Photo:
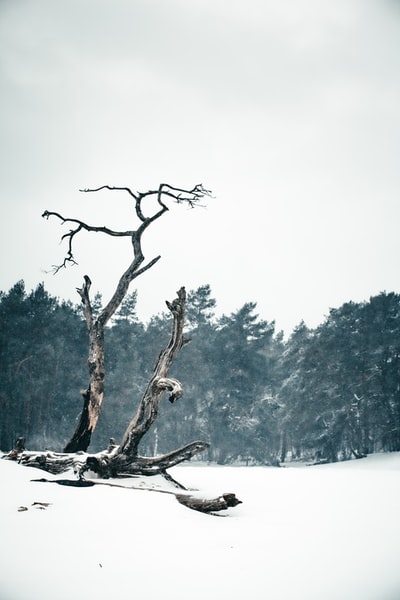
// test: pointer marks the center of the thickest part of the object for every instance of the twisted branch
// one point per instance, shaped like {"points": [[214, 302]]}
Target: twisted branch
{"points": [[191, 197]]}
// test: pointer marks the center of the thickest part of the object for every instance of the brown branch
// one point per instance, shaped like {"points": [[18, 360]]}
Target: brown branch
{"points": [[147, 411]]}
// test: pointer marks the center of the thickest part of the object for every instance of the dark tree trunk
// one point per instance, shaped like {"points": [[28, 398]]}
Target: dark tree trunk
{"points": [[93, 396], [82, 435]]}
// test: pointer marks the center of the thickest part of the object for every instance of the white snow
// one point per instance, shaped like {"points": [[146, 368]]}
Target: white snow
{"points": [[309, 533]]}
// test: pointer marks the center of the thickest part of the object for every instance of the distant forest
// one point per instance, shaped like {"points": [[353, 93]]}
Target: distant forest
{"points": [[325, 394]]}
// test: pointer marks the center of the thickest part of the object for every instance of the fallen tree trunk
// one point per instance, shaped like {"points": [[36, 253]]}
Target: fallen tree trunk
{"points": [[103, 463], [204, 505], [209, 506]]}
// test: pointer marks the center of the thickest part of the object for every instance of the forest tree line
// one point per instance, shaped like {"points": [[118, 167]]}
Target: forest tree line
{"points": [[324, 394]]}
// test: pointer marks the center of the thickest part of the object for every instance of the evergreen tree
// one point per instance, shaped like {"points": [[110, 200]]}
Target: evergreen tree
{"points": [[40, 340]]}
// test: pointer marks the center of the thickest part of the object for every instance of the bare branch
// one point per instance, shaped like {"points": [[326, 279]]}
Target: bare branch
{"points": [[84, 294], [137, 197], [130, 274], [179, 195], [83, 225], [112, 188], [192, 197], [69, 259]]}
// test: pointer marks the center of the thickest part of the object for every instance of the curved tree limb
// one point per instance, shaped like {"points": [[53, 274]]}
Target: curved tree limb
{"points": [[148, 408]]}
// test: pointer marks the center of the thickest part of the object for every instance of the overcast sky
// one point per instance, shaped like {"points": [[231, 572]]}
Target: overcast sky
{"points": [[287, 110]]}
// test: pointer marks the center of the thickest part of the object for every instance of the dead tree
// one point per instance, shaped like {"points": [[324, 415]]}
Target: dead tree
{"points": [[124, 459], [93, 394]]}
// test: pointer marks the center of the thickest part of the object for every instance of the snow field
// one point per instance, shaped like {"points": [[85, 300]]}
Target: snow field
{"points": [[309, 533]]}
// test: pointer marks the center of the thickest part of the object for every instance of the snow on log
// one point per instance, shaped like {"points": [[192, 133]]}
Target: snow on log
{"points": [[223, 502]]}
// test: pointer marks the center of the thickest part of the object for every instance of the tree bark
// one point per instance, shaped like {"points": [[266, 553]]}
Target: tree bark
{"points": [[120, 465], [125, 459], [93, 396], [102, 463], [148, 408]]}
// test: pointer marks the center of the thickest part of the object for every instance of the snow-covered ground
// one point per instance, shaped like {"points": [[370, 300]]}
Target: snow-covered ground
{"points": [[310, 533]]}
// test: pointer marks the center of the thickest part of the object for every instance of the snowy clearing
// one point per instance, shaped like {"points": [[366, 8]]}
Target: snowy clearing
{"points": [[309, 533]]}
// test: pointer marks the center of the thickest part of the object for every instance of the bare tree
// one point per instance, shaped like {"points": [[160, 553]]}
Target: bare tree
{"points": [[93, 394], [124, 459]]}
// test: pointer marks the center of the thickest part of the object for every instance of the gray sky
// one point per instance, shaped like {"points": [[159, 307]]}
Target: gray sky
{"points": [[287, 110]]}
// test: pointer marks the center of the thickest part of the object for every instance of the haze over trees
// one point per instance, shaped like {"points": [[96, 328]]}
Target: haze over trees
{"points": [[324, 394]]}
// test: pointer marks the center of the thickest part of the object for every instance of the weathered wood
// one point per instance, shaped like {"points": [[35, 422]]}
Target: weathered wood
{"points": [[52, 462], [209, 506], [108, 464], [204, 505], [82, 435], [93, 396], [120, 465], [147, 411], [60, 462]]}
